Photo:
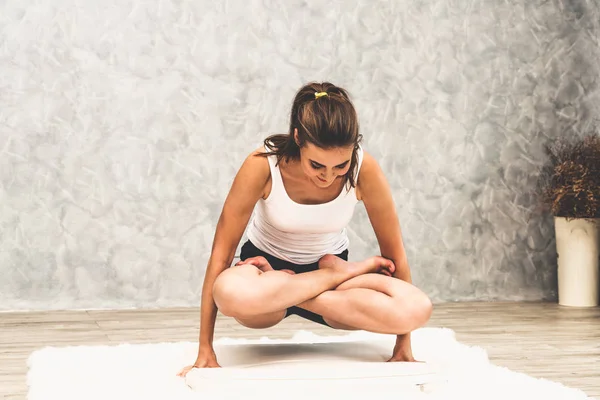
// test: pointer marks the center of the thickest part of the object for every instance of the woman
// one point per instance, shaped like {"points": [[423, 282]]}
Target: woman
{"points": [[303, 187]]}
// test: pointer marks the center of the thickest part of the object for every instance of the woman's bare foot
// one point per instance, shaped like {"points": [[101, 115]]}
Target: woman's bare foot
{"points": [[375, 264], [262, 264]]}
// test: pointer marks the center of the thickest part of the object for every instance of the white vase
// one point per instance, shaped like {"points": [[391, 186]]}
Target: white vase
{"points": [[577, 245]]}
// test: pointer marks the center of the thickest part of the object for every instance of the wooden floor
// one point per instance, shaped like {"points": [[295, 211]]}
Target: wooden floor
{"points": [[543, 340]]}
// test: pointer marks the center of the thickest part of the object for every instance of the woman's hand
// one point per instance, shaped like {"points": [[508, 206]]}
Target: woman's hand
{"points": [[206, 359], [403, 350]]}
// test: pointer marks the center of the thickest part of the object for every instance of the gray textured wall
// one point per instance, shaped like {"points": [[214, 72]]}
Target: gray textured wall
{"points": [[122, 125]]}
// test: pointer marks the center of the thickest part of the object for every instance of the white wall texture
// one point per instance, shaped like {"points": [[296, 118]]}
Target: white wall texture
{"points": [[122, 124]]}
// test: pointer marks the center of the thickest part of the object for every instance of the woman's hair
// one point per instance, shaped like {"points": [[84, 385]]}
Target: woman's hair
{"points": [[325, 117]]}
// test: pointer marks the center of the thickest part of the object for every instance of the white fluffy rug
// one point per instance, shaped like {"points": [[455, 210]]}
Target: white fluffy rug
{"points": [[148, 371]]}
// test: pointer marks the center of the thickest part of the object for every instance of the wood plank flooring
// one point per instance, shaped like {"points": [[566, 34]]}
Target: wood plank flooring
{"points": [[543, 340]]}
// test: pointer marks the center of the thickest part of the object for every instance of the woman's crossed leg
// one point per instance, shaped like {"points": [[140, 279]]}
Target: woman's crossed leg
{"points": [[348, 295]]}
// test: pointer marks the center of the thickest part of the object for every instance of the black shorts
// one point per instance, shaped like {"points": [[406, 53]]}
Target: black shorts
{"points": [[249, 250]]}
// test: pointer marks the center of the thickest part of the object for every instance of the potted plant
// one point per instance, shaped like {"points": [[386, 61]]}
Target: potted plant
{"points": [[569, 186]]}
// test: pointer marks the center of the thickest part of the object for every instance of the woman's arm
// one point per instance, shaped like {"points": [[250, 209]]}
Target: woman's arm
{"points": [[375, 193], [247, 188]]}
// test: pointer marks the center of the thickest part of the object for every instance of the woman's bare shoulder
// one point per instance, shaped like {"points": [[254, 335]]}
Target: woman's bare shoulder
{"points": [[256, 169], [369, 171]]}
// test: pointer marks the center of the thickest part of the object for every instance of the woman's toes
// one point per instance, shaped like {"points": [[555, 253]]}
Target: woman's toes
{"points": [[385, 264], [390, 265]]}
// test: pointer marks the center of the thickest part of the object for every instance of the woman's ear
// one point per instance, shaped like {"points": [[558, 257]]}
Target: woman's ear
{"points": [[296, 137]]}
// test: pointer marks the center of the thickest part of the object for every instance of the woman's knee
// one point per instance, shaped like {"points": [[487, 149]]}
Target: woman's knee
{"points": [[233, 290], [423, 308], [412, 312], [419, 309]]}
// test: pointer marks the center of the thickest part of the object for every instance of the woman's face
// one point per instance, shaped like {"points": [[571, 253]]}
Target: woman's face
{"points": [[322, 166]]}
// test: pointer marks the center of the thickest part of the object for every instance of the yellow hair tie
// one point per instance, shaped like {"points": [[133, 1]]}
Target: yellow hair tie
{"points": [[320, 94]]}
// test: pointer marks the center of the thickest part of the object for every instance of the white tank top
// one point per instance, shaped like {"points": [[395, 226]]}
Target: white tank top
{"points": [[301, 233]]}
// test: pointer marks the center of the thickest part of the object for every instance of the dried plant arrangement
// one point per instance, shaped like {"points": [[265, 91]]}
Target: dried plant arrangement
{"points": [[569, 181]]}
